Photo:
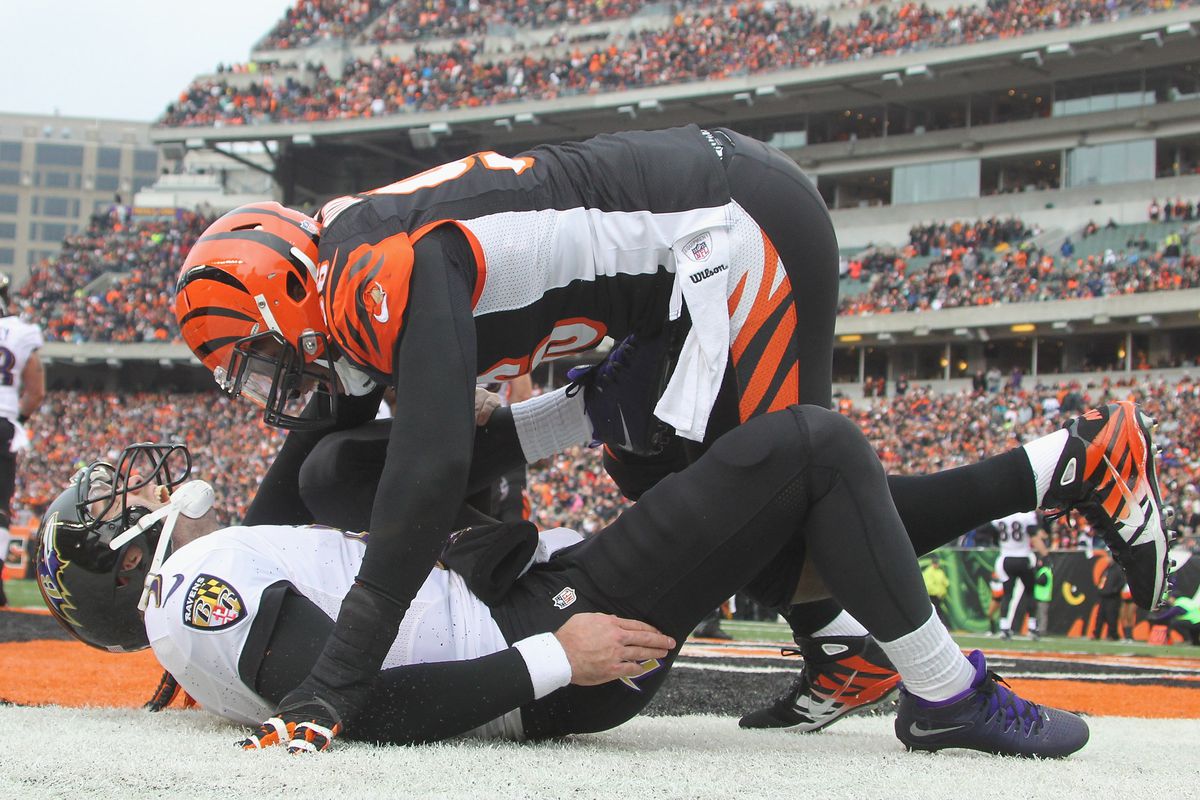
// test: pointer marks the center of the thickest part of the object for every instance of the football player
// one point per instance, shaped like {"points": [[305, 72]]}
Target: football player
{"points": [[22, 389], [785, 506], [1022, 543], [705, 241]]}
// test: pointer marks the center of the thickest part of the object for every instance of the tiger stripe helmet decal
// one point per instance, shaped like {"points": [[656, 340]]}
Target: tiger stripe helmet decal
{"points": [[257, 250]]}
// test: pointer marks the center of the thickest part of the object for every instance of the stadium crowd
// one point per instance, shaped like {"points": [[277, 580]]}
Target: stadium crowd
{"points": [[916, 432], [142, 255], [143, 258], [997, 261], [312, 21], [701, 43]]}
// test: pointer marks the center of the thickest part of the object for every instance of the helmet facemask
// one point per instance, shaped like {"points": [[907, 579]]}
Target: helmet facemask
{"points": [[98, 546], [295, 392]]}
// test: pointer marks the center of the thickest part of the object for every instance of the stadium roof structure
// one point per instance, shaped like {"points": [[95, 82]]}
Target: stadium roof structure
{"points": [[314, 160]]}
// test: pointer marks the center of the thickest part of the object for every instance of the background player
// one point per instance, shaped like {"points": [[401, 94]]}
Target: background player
{"points": [[22, 389], [1022, 543]]}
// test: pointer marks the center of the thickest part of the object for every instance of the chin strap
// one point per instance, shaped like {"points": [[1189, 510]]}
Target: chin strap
{"points": [[193, 500]]}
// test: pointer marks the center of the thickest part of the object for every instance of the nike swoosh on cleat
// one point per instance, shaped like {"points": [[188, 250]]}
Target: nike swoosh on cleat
{"points": [[1131, 505], [821, 707], [628, 443], [920, 732]]}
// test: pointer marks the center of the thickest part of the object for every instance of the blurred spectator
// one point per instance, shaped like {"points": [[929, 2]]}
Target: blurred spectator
{"points": [[702, 42]]}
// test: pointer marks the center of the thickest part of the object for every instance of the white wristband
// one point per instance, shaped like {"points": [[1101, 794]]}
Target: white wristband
{"points": [[550, 423], [547, 663]]}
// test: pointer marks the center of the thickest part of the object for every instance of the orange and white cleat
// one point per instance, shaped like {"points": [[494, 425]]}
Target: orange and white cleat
{"points": [[841, 675], [1107, 473]]}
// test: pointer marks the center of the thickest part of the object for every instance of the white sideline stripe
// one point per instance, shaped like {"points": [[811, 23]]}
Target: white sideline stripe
{"points": [[1049, 676]]}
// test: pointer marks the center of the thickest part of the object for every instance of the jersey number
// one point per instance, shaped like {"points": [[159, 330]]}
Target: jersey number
{"points": [[1015, 532], [569, 336], [454, 170], [7, 362]]}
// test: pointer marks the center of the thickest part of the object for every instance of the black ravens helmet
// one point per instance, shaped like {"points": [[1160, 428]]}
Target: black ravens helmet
{"points": [[91, 589]]}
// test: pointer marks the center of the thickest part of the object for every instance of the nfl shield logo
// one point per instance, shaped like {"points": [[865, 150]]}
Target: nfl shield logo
{"points": [[699, 249], [564, 598]]}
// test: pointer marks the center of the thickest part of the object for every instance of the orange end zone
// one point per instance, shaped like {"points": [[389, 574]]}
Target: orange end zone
{"points": [[73, 674], [1112, 700]]}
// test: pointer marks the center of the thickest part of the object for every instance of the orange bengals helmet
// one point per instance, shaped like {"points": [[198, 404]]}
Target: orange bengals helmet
{"points": [[248, 306]]}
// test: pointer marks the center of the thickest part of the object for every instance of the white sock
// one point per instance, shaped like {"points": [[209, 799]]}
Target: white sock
{"points": [[1043, 455], [929, 662], [549, 423], [842, 625]]}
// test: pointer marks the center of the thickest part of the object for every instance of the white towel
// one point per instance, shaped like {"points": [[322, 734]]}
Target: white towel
{"points": [[702, 275], [20, 440]]}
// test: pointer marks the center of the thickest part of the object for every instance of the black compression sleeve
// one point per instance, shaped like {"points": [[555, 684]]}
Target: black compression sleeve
{"points": [[497, 450], [429, 449], [278, 500], [428, 702], [409, 704]]}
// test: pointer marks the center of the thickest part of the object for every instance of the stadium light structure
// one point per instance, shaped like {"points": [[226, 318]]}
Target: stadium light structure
{"points": [[1101, 319], [649, 105], [1177, 28], [963, 333], [745, 98], [1060, 49], [885, 337], [919, 71], [303, 140], [921, 330], [768, 92], [503, 122], [1062, 325], [1148, 319], [527, 118], [893, 77], [628, 111], [1153, 36], [1033, 57], [439, 128]]}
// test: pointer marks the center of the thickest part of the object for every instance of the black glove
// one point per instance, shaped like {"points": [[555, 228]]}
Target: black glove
{"points": [[313, 713], [168, 689]]}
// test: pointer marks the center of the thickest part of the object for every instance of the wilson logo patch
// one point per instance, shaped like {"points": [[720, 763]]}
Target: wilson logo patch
{"points": [[211, 604]]}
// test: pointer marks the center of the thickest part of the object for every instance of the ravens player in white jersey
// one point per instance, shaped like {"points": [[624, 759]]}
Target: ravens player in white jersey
{"points": [[1022, 542], [22, 389], [483, 268], [788, 504]]}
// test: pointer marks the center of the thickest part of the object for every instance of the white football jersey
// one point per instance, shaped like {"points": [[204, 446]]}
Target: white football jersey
{"points": [[18, 339], [211, 590], [1014, 534]]}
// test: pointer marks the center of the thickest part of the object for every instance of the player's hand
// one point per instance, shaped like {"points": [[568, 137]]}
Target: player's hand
{"points": [[485, 403], [602, 648], [168, 689], [304, 723]]}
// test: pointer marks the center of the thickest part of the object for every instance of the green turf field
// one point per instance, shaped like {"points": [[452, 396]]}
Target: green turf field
{"points": [[22, 593]]}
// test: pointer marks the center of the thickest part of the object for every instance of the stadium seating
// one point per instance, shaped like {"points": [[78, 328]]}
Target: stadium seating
{"points": [[701, 43]]}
